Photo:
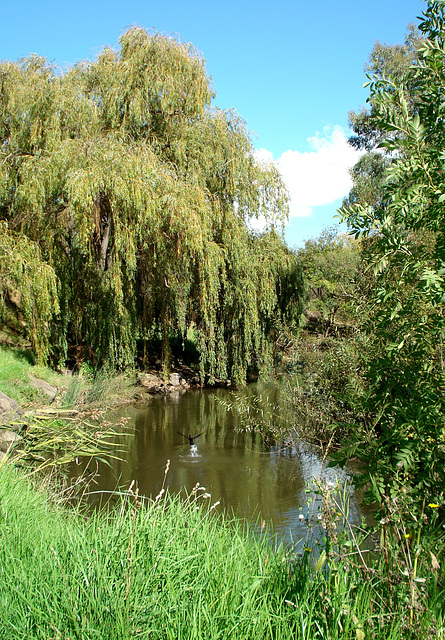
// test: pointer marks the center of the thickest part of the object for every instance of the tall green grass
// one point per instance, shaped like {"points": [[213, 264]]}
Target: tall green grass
{"points": [[99, 389], [168, 569]]}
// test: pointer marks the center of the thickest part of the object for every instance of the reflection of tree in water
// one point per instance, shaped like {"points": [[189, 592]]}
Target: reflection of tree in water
{"points": [[256, 477]]}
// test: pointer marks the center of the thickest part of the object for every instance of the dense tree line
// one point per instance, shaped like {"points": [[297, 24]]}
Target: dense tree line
{"points": [[125, 198]]}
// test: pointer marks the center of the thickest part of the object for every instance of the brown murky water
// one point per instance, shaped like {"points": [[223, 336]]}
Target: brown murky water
{"points": [[257, 480]]}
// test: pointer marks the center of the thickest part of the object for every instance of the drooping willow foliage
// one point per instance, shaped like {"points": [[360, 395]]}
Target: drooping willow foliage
{"points": [[134, 194]]}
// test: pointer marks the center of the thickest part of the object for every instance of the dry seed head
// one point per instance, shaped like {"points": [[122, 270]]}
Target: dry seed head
{"points": [[160, 494]]}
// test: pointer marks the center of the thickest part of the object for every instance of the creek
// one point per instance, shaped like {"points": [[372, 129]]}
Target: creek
{"points": [[258, 479]]}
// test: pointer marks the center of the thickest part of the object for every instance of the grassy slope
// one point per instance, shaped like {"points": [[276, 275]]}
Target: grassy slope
{"points": [[16, 367], [164, 570], [85, 390]]}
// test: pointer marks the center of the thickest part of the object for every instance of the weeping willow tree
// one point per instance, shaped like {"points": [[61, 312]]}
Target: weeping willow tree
{"points": [[135, 193]]}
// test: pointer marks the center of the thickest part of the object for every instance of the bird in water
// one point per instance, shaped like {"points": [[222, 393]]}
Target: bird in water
{"points": [[190, 438]]}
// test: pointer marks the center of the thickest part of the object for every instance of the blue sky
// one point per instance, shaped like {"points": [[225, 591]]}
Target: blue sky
{"points": [[293, 69]]}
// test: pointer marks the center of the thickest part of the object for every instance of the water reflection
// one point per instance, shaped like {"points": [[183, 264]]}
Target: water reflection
{"points": [[255, 479]]}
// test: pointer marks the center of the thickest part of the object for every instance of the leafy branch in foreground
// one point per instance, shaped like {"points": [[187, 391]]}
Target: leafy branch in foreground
{"points": [[401, 442]]}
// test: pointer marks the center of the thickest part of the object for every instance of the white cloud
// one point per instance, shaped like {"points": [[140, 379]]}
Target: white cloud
{"points": [[319, 176]]}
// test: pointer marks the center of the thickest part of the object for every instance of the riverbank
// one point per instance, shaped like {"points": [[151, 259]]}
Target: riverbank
{"points": [[166, 569], [172, 569], [35, 387]]}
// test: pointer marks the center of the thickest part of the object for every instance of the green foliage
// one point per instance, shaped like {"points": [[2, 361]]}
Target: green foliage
{"points": [[406, 556], [137, 193], [327, 358], [325, 393], [368, 174], [88, 390], [27, 278], [330, 268], [386, 61], [166, 568], [402, 441]]}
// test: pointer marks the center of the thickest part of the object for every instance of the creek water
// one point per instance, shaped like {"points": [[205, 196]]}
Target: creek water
{"points": [[257, 479]]}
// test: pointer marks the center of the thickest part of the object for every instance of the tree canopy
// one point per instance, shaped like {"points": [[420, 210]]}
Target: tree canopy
{"points": [[133, 194], [385, 61], [330, 268]]}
